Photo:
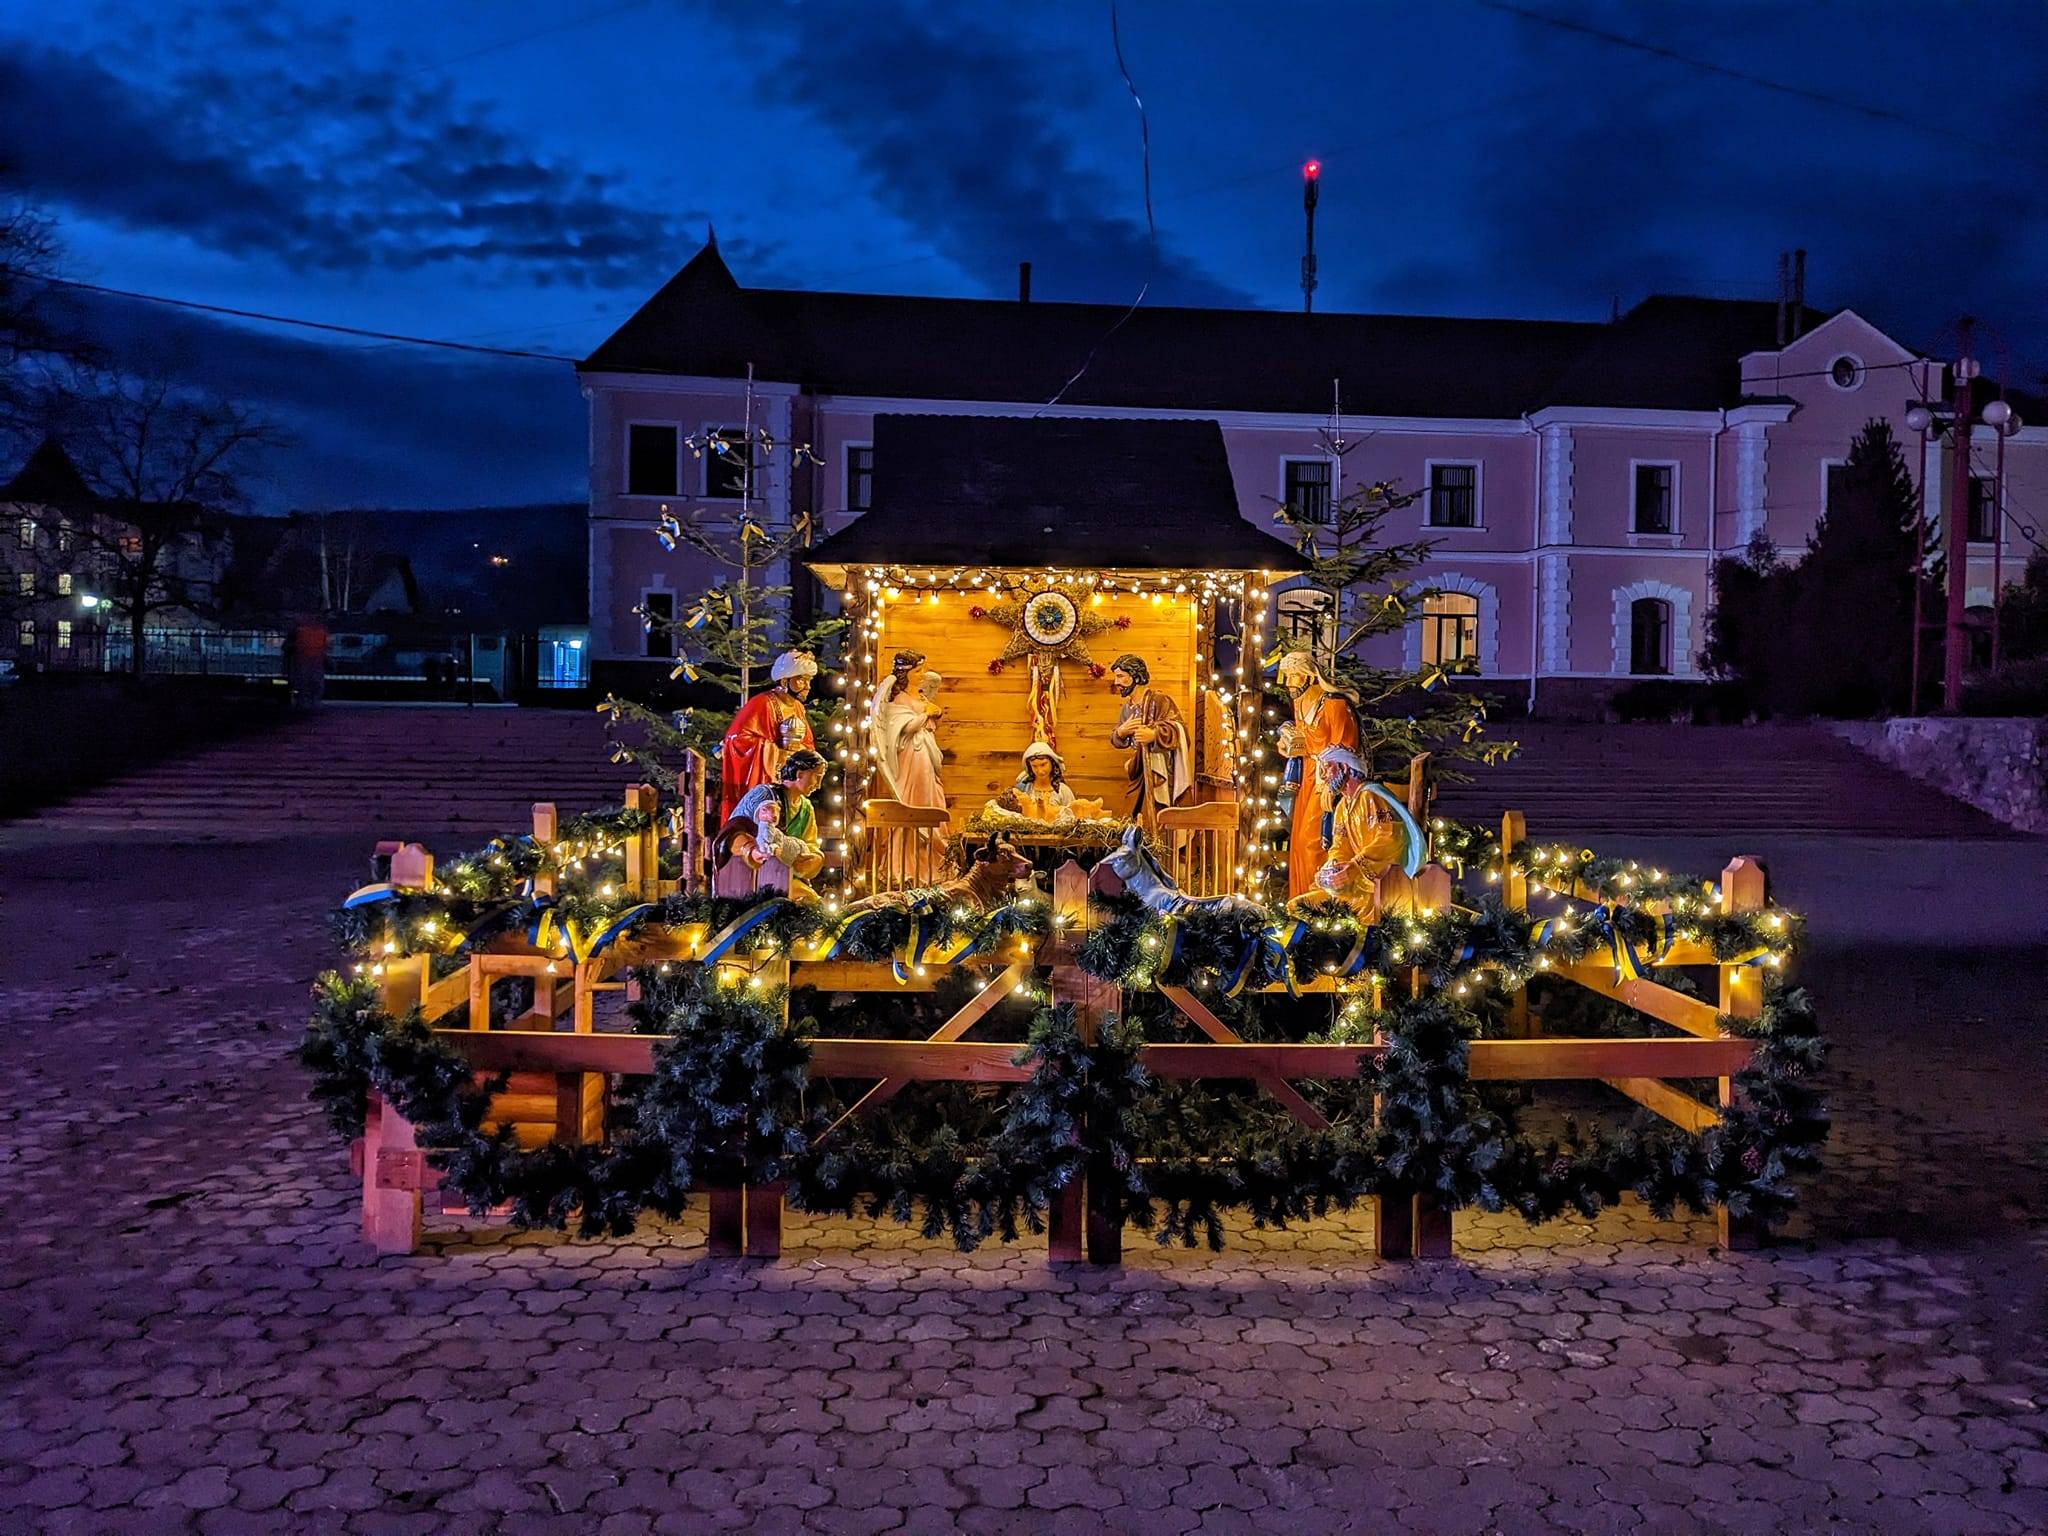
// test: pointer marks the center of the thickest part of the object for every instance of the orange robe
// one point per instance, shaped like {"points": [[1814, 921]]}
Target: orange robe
{"points": [[1332, 725], [755, 746]]}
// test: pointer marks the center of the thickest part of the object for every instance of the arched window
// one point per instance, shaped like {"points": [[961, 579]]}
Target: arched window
{"points": [[1649, 643], [1450, 629]]}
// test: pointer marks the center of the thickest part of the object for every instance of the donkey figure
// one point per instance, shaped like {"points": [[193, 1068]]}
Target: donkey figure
{"points": [[1142, 875]]}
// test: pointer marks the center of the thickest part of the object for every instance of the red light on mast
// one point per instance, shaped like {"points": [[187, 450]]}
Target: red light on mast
{"points": [[1312, 170]]}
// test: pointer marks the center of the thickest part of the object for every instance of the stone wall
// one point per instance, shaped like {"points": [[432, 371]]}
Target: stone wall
{"points": [[1999, 766]]}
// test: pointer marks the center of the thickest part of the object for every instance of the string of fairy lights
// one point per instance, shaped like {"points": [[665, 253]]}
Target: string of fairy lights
{"points": [[871, 593]]}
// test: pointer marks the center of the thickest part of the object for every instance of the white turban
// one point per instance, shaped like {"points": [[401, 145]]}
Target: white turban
{"points": [[1343, 757], [793, 664]]}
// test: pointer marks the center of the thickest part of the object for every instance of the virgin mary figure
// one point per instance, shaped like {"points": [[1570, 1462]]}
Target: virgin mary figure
{"points": [[907, 759]]}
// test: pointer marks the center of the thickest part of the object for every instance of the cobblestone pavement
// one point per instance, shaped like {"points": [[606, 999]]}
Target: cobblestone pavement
{"points": [[191, 1337]]}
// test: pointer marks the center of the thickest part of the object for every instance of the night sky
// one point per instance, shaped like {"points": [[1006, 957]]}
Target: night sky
{"points": [[520, 173]]}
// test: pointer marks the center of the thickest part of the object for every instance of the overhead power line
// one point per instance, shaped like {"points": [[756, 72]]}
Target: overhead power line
{"points": [[1749, 78], [293, 320]]}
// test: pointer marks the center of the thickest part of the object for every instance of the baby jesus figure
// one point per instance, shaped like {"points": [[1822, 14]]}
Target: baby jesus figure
{"points": [[1040, 793]]}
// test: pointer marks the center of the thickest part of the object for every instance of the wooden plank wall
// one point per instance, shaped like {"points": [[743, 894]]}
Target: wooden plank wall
{"points": [[987, 724]]}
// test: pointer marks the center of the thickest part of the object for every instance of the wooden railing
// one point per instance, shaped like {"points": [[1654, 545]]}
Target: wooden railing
{"points": [[560, 1064]]}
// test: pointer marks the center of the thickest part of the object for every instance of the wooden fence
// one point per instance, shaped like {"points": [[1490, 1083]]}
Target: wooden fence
{"points": [[560, 1064]]}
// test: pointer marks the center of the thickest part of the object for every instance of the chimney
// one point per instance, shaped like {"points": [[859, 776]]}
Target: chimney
{"points": [[1023, 282], [1798, 293], [1784, 293]]}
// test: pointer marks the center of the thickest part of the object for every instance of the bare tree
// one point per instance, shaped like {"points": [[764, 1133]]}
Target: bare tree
{"points": [[167, 461], [32, 327], [345, 554]]}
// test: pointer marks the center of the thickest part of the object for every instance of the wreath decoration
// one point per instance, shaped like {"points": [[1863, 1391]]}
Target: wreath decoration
{"points": [[1051, 619]]}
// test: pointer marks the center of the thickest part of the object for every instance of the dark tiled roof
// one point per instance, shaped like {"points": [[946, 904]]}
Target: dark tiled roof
{"points": [[1672, 352], [48, 478], [1022, 491]]}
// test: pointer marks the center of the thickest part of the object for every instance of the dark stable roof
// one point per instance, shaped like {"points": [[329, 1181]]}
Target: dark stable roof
{"points": [[1669, 352], [48, 478], [1077, 492]]}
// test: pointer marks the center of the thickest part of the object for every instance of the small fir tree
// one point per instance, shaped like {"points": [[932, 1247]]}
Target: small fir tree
{"points": [[1402, 712]]}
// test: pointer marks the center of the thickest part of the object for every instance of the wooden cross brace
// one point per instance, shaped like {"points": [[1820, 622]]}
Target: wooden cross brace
{"points": [[1198, 1013], [971, 1013]]}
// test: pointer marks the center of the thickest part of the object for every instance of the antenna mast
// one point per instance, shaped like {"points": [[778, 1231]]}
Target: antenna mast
{"points": [[1311, 187]]}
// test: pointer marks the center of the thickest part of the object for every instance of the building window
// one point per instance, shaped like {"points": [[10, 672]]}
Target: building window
{"points": [[1306, 616], [659, 611], [25, 636], [63, 535], [860, 476], [1454, 495], [1833, 476], [1983, 519], [1450, 630], [25, 583], [63, 583], [1656, 503], [1306, 487], [1649, 637], [725, 463], [63, 634], [26, 531], [1845, 372], [650, 459]]}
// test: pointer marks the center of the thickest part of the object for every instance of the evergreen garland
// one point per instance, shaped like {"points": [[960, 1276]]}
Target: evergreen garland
{"points": [[730, 1100]]}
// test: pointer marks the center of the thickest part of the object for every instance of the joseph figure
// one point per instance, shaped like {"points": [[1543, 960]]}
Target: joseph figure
{"points": [[1149, 723]]}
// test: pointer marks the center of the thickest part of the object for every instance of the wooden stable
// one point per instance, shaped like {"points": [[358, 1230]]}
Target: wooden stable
{"points": [[561, 1065], [1131, 530]]}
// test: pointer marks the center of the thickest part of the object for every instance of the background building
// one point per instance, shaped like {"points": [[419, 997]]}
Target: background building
{"points": [[1579, 479]]}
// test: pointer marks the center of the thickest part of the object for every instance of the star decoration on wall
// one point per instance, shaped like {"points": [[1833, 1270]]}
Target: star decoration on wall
{"points": [[1048, 622]]}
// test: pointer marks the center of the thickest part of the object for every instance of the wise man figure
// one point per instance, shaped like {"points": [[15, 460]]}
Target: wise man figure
{"points": [[776, 821], [1149, 723], [1323, 718], [768, 727], [1367, 837]]}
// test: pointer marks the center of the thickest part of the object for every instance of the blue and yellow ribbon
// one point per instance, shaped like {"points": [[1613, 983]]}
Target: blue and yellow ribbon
{"points": [[1276, 941], [740, 927]]}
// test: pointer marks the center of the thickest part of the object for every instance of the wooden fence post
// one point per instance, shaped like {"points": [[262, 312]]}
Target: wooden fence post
{"points": [[762, 1214], [1514, 895], [1084, 1214], [1743, 885], [643, 859], [546, 830], [1432, 1216], [391, 1158], [691, 838]]}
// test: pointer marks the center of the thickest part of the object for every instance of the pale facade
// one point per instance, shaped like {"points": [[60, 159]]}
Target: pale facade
{"points": [[1574, 541]]}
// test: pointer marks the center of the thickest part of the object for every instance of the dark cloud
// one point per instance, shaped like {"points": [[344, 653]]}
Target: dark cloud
{"points": [[369, 425], [346, 167], [1669, 180], [963, 133]]}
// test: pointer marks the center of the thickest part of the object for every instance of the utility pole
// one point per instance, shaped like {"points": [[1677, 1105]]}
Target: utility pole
{"points": [[1311, 188], [1955, 530]]}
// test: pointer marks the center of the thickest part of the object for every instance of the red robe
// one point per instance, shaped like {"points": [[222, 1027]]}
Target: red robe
{"points": [[754, 747]]}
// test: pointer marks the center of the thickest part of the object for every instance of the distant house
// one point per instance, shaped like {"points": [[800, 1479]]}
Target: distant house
{"points": [[1579, 480], [401, 590], [70, 576]]}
